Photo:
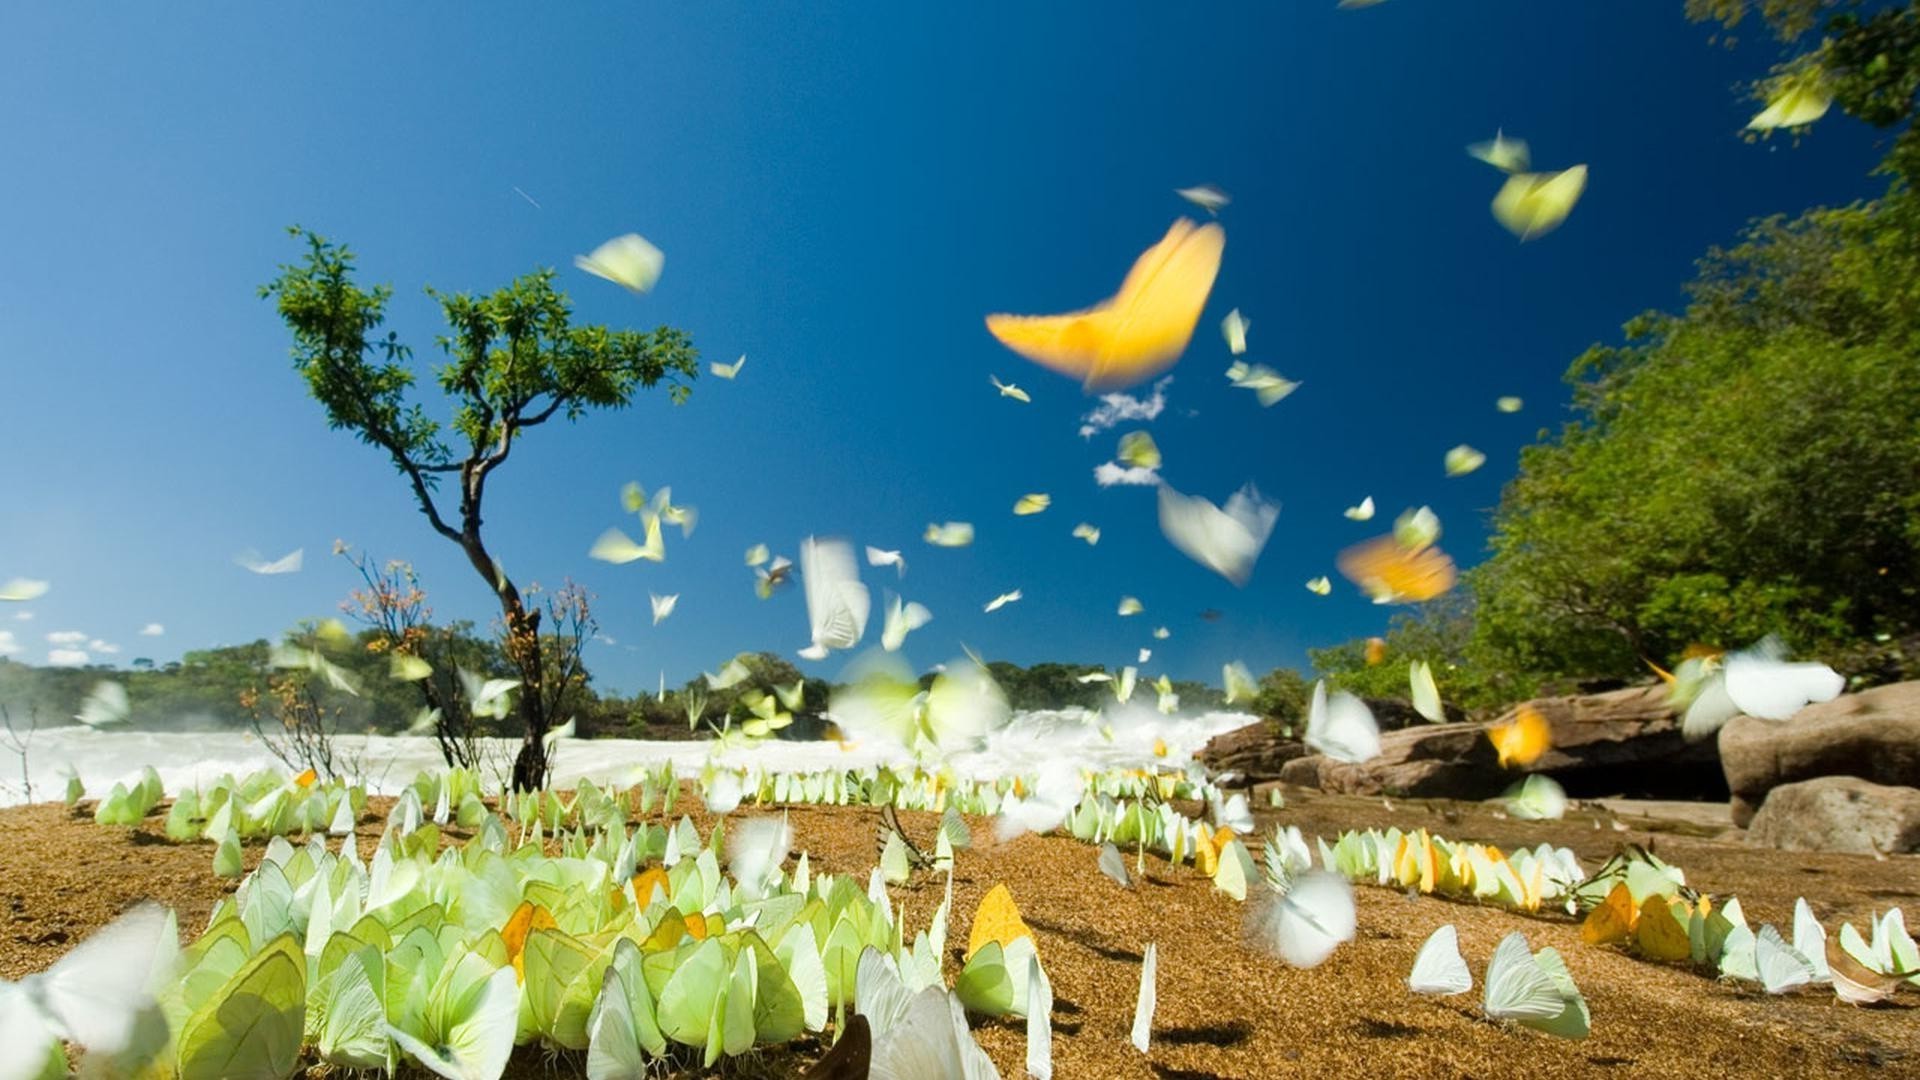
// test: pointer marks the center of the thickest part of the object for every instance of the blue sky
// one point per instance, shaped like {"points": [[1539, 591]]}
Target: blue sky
{"points": [[842, 193]]}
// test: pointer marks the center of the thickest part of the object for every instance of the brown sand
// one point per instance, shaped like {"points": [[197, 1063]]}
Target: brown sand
{"points": [[1226, 1008]]}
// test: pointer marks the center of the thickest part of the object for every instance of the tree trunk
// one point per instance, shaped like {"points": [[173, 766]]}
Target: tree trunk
{"points": [[523, 648]]}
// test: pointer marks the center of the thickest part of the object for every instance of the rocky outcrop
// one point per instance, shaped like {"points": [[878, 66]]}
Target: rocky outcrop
{"points": [[1621, 742], [1839, 813], [1873, 735], [1256, 753]]}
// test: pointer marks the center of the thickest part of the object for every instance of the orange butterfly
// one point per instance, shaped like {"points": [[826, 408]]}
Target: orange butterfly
{"points": [[1141, 330]]}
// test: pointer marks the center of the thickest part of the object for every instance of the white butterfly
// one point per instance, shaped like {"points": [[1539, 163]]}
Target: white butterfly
{"points": [[286, 564], [877, 557], [1781, 967], [1341, 727], [1312, 919], [1010, 390], [1463, 459], [916, 1036], [615, 546], [105, 704], [837, 603], [1363, 512], [728, 371], [1143, 1006], [1227, 541], [755, 849], [1438, 967], [1114, 865], [1039, 1021], [1517, 988], [93, 996], [1084, 531], [662, 606], [1268, 386], [902, 619], [1810, 940], [487, 697], [1205, 196], [1426, 695], [628, 261], [1002, 600]]}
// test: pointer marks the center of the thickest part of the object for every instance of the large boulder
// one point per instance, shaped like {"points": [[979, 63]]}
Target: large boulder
{"points": [[1620, 742], [1839, 813], [1874, 735], [1256, 752]]}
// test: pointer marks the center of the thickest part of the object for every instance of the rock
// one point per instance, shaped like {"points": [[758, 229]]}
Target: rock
{"points": [[1874, 735], [1624, 742], [1256, 752], [1839, 813]]}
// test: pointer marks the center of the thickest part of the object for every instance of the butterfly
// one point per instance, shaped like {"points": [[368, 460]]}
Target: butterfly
{"points": [[1314, 917], [1084, 531], [1797, 100], [837, 602], [1143, 1005], [22, 590], [1362, 512], [617, 547], [1268, 385], [1205, 196], [1520, 741], [1507, 155], [1137, 333], [1341, 726], [1438, 967], [877, 557], [286, 564], [1032, 504], [1534, 204], [1508, 404], [1227, 541], [1464, 459], [1426, 695], [1131, 606], [1234, 328], [1392, 572], [1534, 990], [951, 534], [1010, 390], [728, 371], [662, 606], [1002, 600], [628, 261]]}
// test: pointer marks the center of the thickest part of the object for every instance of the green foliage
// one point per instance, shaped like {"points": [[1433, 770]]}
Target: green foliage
{"points": [[1282, 695], [1440, 632], [1750, 466], [1048, 685]]}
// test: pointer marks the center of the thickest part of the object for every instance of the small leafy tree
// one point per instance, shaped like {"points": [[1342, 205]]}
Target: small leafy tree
{"points": [[514, 361]]}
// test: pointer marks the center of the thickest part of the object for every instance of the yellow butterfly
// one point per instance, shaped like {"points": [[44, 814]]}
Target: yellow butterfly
{"points": [[1089, 533], [952, 534], [1798, 99], [1522, 740], [1138, 451], [1534, 204], [1032, 504], [997, 920], [615, 546], [1131, 606], [1141, 330], [628, 261], [1507, 155], [1390, 572], [1234, 328], [1508, 404], [1463, 459]]}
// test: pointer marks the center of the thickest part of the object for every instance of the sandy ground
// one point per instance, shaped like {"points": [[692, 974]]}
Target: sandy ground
{"points": [[1227, 1009]]}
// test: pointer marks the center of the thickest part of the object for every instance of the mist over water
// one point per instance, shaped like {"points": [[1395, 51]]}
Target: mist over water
{"points": [[386, 763]]}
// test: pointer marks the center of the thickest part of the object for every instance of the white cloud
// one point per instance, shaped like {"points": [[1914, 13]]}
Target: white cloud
{"points": [[67, 637], [8, 646], [604, 639], [103, 647], [1122, 408], [67, 657], [23, 616], [1108, 474], [152, 629]]}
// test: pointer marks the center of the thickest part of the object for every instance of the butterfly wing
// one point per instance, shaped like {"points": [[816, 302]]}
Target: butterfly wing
{"points": [[1438, 967]]}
